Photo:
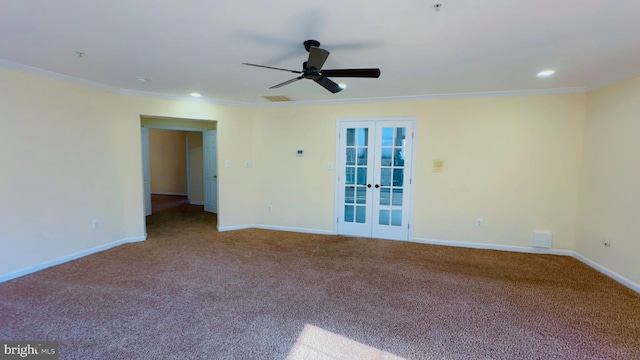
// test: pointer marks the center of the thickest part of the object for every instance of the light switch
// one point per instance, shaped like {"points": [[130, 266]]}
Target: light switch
{"points": [[248, 164], [330, 166], [227, 163]]}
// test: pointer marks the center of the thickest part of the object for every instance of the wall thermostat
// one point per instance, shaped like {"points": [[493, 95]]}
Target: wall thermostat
{"points": [[300, 153]]}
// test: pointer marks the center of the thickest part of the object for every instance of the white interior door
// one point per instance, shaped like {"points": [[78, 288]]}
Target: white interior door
{"points": [[209, 142], [146, 171], [374, 180]]}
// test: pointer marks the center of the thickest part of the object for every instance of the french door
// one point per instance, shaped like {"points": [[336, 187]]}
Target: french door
{"points": [[374, 182]]}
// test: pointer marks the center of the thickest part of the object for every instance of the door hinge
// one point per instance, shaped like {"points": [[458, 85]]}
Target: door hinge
{"points": [[413, 135], [408, 226], [410, 181], [337, 220]]}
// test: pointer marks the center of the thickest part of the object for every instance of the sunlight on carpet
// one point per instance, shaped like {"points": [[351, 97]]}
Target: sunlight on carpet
{"points": [[317, 343]]}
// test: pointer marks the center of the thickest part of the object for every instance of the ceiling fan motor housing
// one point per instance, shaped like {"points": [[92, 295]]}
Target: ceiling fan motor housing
{"points": [[309, 43]]}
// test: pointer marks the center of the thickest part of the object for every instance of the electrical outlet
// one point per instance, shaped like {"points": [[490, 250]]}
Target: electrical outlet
{"points": [[95, 224], [606, 242], [479, 222]]}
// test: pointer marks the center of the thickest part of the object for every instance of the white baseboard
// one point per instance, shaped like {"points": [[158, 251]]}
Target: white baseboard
{"points": [[295, 229], [277, 228], [168, 193], [64, 259], [612, 274], [235, 227], [486, 246]]}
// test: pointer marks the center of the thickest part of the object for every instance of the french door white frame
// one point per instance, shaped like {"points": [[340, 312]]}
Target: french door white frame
{"points": [[409, 206]]}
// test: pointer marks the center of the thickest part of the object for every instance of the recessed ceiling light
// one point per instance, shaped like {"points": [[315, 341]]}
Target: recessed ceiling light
{"points": [[195, 94], [342, 86], [546, 73], [142, 78]]}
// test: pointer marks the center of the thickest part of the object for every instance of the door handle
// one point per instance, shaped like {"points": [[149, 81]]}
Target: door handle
{"points": [[368, 185], [215, 176], [377, 186]]}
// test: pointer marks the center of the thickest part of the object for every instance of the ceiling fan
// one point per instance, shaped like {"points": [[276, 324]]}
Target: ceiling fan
{"points": [[312, 69]]}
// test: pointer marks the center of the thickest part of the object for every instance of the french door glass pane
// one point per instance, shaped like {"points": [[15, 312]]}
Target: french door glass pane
{"points": [[385, 196], [362, 156], [398, 157], [383, 217], [351, 156], [350, 177], [400, 136], [386, 157], [348, 213], [361, 195], [397, 197], [349, 197], [351, 137], [362, 175], [361, 214], [396, 217], [363, 137], [398, 177], [387, 136], [385, 177]]}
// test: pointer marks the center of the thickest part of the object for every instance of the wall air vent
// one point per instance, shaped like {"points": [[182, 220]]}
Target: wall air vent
{"points": [[277, 98]]}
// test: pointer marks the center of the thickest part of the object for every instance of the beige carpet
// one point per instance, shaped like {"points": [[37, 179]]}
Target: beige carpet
{"points": [[189, 292]]}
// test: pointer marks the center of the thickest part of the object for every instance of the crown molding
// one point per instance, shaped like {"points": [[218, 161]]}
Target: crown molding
{"points": [[552, 91], [153, 95], [56, 76]]}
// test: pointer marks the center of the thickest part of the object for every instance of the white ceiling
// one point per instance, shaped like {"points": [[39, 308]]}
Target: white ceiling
{"points": [[468, 46]]}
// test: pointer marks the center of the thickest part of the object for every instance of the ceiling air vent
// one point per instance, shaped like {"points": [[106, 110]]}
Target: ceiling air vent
{"points": [[277, 98]]}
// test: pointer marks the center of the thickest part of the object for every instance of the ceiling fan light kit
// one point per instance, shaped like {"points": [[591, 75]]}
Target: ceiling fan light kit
{"points": [[312, 69]]}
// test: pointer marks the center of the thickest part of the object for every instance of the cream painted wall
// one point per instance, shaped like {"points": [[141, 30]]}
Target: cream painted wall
{"points": [[236, 184], [65, 155], [168, 161], [513, 161], [610, 190], [71, 154]]}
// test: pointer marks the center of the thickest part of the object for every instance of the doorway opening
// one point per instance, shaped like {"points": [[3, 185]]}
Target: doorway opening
{"points": [[176, 170], [179, 165]]}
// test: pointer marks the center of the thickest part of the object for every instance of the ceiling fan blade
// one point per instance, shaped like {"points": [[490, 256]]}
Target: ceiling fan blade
{"points": [[328, 84], [274, 68], [317, 57], [361, 73], [287, 82]]}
